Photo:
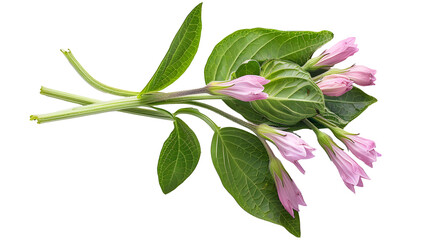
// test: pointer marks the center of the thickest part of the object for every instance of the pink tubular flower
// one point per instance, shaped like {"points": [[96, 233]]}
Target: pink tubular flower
{"points": [[288, 192], [335, 85], [362, 148], [338, 53], [349, 170], [292, 147], [246, 88], [361, 75]]}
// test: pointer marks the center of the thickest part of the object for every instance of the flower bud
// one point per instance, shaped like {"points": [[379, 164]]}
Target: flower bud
{"points": [[246, 88], [288, 192], [361, 75], [338, 53], [292, 147], [335, 85], [362, 148], [349, 170]]}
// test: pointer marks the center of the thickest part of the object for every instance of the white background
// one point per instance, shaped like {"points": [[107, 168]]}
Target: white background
{"points": [[95, 177]]}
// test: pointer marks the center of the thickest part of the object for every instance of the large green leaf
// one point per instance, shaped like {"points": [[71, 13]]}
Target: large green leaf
{"points": [[293, 96], [349, 105], [241, 161], [261, 45], [180, 54], [179, 156]]}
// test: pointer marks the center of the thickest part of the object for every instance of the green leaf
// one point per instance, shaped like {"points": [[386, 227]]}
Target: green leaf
{"points": [[179, 156], [340, 110], [180, 54], [250, 67], [261, 44], [293, 96], [241, 162], [349, 105]]}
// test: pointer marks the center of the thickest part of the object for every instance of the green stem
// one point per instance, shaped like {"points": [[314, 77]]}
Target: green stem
{"points": [[311, 125], [324, 122], [124, 103], [143, 112], [248, 125], [196, 113], [329, 72], [100, 107], [86, 101], [92, 81], [184, 93], [267, 147]]}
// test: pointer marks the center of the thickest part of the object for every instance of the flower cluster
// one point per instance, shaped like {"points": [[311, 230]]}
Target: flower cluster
{"points": [[336, 82], [293, 148], [363, 149]]}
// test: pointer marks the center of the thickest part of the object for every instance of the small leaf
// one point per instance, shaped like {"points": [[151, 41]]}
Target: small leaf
{"points": [[179, 157], [349, 105], [180, 54], [293, 95], [241, 162], [250, 67]]}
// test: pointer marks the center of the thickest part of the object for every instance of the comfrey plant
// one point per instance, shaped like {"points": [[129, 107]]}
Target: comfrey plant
{"points": [[271, 79]]}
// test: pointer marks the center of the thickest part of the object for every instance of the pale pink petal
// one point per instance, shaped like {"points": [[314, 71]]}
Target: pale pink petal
{"points": [[335, 85], [339, 52], [349, 170], [289, 194], [361, 75], [291, 147], [362, 148], [246, 88]]}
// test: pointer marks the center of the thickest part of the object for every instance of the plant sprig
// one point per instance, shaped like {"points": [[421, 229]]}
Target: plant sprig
{"points": [[270, 78]]}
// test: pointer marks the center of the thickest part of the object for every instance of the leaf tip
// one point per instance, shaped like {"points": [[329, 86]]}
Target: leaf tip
{"points": [[327, 33], [166, 191]]}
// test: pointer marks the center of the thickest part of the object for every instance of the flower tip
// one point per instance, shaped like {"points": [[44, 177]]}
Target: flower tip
{"points": [[351, 40], [260, 79], [350, 186], [300, 168], [246, 88]]}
